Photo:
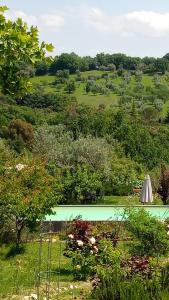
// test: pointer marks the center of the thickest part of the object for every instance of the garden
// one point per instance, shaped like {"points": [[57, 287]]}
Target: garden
{"points": [[90, 260]]}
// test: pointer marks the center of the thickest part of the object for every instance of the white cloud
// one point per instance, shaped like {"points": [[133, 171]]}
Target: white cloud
{"points": [[53, 20], [88, 30], [30, 19], [153, 20], [146, 23]]}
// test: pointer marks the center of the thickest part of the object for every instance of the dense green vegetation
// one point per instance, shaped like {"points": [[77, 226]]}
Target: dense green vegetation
{"points": [[117, 259], [88, 128], [122, 259], [81, 130]]}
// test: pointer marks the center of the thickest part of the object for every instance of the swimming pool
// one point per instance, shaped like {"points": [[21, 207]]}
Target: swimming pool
{"points": [[102, 212]]}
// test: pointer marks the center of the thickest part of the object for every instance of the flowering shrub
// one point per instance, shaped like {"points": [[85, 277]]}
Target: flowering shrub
{"points": [[81, 246], [95, 252], [89, 251]]}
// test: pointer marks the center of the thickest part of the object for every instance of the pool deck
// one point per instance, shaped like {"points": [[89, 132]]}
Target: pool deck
{"points": [[103, 212]]}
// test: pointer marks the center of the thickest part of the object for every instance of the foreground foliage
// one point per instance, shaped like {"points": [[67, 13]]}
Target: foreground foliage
{"points": [[106, 257], [19, 50], [28, 193]]}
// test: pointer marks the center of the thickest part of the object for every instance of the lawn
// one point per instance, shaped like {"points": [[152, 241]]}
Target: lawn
{"points": [[126, 200], [18, 272]]}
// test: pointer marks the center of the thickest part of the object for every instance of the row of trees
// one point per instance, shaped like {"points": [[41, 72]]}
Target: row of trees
{"points": [[102, 61]]}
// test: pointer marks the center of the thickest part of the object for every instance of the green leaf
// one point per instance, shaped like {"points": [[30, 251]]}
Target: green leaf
{"points": [[3, 8], [49, 47]]}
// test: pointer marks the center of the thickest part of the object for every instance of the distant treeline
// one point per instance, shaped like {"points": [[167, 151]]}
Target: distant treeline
{"points": [[104, 62]]}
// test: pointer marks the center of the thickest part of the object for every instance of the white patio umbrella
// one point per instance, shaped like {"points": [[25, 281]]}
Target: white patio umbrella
{"points": [[146, 193]]}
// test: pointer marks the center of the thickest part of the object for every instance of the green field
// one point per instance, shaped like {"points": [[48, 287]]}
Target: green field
{"points": [[47, 82]]}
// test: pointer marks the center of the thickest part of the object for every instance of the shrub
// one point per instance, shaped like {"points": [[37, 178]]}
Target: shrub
{"points": [[150, 235], [80, 248], [21, 134], [111, 284], [81, 185], [70, 86], [41, 99], [163, 189]]}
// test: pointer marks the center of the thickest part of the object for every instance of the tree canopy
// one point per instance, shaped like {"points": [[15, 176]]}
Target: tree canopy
{"points": [[19, 44]]}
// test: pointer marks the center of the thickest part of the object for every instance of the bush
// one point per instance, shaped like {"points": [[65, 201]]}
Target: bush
{"points": [[150, 235], [81, 186], [41, 99], [70, 86], [80, 248], [21, 134], [112, 284]]}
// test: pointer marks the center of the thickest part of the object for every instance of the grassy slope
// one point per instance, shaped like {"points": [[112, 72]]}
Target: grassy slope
{"points": [[96, 100], [90, 99]]}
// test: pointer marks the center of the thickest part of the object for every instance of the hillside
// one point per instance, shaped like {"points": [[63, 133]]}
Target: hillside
{"points": [[127, 87]]}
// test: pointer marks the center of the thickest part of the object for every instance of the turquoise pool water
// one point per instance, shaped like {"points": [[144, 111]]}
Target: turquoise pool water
{"points": [[102, 212]]}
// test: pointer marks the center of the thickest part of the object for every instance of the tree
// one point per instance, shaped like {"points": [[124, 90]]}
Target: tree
{"points": [[163, 189], [70, 87], [42, 67], [26, 70], [27, 194], [21, 134], [66, 61], [62, 76], [55, 144], [81, 185], [160, 65], [166, 56], [19, 44]]}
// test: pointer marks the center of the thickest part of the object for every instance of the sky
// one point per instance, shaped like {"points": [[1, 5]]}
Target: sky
{"points": [[88, 27]]}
